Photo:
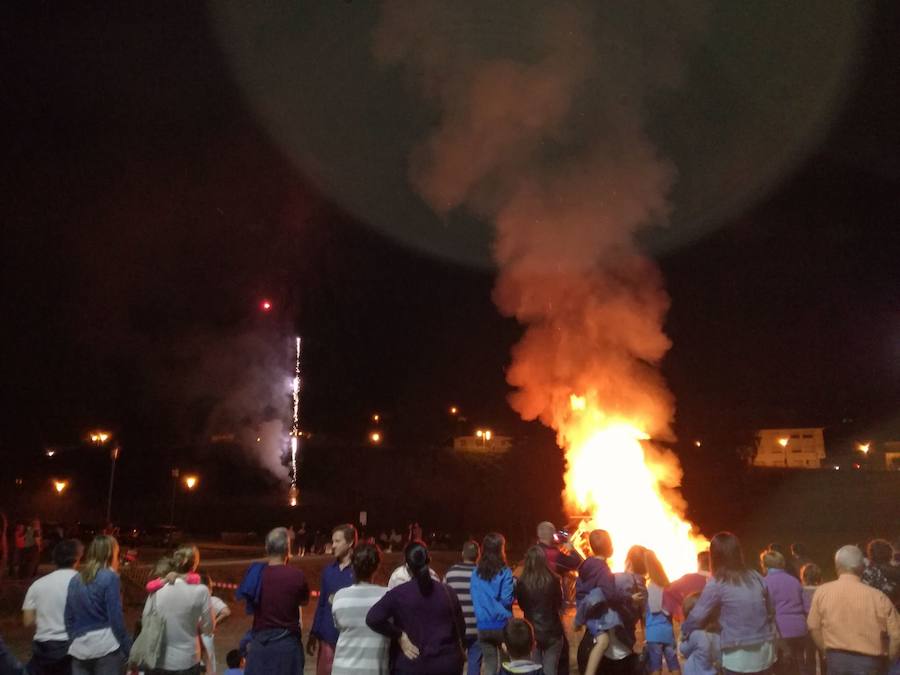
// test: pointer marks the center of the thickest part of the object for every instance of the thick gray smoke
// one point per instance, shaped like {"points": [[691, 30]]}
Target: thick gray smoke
{"points": [[544, 134]]}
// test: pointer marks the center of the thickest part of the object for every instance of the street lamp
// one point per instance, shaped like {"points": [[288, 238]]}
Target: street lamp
{"points": [[864, 447], [376, 418], [375, 437], [100, 437], [453, 410], [60, 486], [190, 481]]}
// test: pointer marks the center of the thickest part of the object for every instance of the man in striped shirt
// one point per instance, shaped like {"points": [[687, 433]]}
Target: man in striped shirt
{"points": [[459, 578]]}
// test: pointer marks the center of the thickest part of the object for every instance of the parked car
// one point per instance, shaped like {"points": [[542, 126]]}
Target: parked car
{"points": [[162, 536]]}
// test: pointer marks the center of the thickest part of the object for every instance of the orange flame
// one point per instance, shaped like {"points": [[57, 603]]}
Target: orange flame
{"points": [[627, 486]]}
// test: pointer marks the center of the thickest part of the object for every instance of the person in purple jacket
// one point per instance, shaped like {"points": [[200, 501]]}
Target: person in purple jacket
{"points": [[746, 615], [786, 594], [424, 619]]}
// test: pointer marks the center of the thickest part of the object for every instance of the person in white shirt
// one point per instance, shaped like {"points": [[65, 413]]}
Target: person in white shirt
{"points": [[186, 610], [402, 574], [220, 611], [44, 607]]}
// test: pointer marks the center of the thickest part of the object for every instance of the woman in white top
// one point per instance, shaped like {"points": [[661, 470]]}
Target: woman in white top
{"points": [[186, 610], [359, 649]]}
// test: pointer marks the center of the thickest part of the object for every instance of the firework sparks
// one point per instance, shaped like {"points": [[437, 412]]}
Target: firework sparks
{"points": [[295, 425]]}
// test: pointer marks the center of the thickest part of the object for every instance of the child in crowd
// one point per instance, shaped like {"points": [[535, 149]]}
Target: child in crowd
{"points": [[811, 578], [599, 599], [220, 611], [703, 648], [518, 638], [811, 657], [235, 663], [659, 633]]}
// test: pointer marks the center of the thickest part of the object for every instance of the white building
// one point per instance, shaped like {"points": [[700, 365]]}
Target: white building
{"points": [[790, 448]]}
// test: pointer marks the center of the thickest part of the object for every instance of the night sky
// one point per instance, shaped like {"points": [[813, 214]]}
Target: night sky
{"points": [[148, 207]]}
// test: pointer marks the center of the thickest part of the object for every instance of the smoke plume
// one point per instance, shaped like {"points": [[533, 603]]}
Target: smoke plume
{"points": [[238, 387], [545, 136]]}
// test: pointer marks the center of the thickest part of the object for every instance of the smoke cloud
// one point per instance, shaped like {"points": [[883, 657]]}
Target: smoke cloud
{"points": [[239, 388], [545, 135]]}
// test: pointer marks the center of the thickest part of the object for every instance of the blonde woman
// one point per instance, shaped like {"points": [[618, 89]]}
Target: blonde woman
{"points": [[186, 610], [94, 619]]}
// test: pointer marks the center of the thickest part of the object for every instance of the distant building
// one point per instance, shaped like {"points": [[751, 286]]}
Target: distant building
{"points": [[892, 455], [485, 443], [790, 448]]}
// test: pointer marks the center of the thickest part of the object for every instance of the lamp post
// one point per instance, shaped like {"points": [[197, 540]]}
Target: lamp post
{"points": [[175, 474], [190, 482], [60, 486], [100, 438]]}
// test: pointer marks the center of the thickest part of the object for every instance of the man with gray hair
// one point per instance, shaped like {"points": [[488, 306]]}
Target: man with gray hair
{"points": [[856, 626], [275, 645]]}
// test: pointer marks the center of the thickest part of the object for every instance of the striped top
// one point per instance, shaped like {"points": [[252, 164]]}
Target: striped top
{"points": [[359, 649], [459, 578]]}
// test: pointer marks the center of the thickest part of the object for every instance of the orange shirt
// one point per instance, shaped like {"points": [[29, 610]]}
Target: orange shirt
{"points": [[854, 617]]}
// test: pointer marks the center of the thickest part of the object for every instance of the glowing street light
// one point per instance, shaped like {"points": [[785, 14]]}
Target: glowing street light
{"points": [[265, 305], [191, 481], [488, 434], [698, 443], [454, 410], [49, 452], [864, 447], [375, 437], [60, 486], [376, 418], [479, 433], [100, 437], [783, 442]]}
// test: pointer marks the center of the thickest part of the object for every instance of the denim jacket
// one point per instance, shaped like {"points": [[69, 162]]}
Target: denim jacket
{"points": [[745, 612], [96, 605]]}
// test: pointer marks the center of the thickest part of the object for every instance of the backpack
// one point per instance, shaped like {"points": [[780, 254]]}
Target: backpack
{"points": [[148, 647]]}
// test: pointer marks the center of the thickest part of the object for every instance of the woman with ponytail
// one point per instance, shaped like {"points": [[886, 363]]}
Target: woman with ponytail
{"points": [[424, 619]]}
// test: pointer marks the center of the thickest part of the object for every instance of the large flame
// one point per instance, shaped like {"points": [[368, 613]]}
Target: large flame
{"points": [[628, 487]]}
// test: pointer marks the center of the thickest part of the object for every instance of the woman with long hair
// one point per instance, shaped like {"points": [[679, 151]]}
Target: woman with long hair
{"points": [[746, 615], [186, 610], [94, 619], [659, 632], [492, 598], [423, 616], [539, 593]]}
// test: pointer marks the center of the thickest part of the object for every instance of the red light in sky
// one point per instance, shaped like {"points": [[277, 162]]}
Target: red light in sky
{"points": [[265, 305]]}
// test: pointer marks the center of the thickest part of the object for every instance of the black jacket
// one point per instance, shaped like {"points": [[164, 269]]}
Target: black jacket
{"points": [[542, 609]]}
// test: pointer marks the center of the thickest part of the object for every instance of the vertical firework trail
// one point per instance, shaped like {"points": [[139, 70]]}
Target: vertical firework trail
{"points": [[295, 425]]}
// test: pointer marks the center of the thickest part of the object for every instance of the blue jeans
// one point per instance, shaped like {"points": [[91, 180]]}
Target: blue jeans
{"points": [[473, 656], [275, 652], [849, 663], [548, 655], [111, 664], [655, 653]]}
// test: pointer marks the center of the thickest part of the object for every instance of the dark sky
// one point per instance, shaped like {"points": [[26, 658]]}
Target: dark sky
{"points": [[146, 208]]}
